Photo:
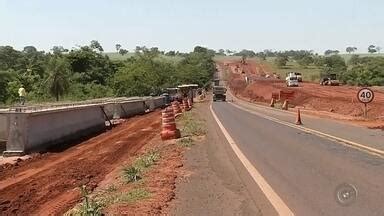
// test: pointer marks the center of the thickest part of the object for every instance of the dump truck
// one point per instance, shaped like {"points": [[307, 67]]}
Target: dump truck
{"points": [[295, 74], [219, 93], [330, 79]]}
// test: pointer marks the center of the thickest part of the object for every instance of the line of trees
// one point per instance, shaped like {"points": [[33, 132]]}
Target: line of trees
{"points": [[86, 72]]}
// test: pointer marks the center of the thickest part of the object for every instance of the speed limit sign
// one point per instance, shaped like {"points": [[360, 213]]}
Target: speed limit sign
{"points": [[365, 95]]}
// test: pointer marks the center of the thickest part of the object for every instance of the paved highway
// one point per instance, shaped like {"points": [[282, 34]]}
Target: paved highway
{"points": [[302, 172]]}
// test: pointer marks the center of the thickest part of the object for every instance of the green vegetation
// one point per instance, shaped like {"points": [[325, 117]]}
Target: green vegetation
{"points": [[89, 207], [133, 173], [309, 73], [86, 72], [185, 142], [191, 125], [132, 196], [281, 61], [147, 160], [93, 206]]}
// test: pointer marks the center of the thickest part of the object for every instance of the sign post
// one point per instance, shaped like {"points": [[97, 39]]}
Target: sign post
{"points": [[365, 96]]}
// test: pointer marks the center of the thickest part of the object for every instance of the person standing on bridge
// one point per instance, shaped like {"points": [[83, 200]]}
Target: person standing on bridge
{"points": [[22, 94]]}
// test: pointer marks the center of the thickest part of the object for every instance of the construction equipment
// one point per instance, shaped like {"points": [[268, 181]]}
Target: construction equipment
{"points": [[292, 81], [329, 79], [219, 93], [295, 74]]}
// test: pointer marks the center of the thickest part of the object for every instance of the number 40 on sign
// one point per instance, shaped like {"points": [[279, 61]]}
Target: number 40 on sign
{"points": [[365, 96]]}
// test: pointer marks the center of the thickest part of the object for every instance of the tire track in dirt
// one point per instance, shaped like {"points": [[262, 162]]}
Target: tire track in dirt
{"points": [[52, 185]]}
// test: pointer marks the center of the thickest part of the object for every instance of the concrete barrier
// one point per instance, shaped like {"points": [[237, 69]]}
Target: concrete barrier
{"points": [[35, 131], [155, 102], [126, 109], [4, 126], [159, 102]]}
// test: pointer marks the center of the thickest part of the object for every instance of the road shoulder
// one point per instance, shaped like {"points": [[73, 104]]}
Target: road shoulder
{"points": [[214, 182]]}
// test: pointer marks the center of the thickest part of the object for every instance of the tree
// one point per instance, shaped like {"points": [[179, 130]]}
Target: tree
{"points": [[9, 58], [350, 49], [305, 61], [378, 49], [58, 76], [281, 61], [118, 47], [5, 77], [199, 49], [170, 53], [334, 64], [95, 45], [123, 51], [58, 50], [29, 49], [372, 49], [154, 50], [367, 71], [331, 52], [247, 53], [354, 60], [221, 52], [90, 66]]}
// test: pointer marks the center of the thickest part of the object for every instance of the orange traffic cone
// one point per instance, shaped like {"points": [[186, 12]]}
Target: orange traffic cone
{"points": [[298, 118], [285, 105], [185, 105], [189, 101], [176, 108], [272, 103], [169, 130]]}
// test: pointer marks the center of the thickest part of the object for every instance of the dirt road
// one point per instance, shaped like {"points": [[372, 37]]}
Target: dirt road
{"points": [[332, 99], [49, 184]]}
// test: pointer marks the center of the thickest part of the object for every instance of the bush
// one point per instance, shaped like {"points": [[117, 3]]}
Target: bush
{"points": [[281, 61]]}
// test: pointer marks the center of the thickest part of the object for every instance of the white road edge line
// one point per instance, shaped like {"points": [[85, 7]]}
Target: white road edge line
{"points": [[361, 147], [274, 199]]}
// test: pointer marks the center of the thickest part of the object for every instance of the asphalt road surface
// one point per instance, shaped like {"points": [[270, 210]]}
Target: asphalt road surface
{"points": [[311, 175]]}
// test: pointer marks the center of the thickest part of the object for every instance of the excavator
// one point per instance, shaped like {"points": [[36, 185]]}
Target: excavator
{"points": [[329, 79]]}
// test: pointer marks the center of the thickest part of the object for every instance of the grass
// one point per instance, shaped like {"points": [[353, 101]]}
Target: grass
{"points": [[147, 160], [132, 196], [191, 125], [133, 173], [310, 73], [185, 142], [94, 205]]}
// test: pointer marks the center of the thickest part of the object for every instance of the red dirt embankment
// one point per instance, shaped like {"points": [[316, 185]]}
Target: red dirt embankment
{"points": [[48, 184], [311, 96]]}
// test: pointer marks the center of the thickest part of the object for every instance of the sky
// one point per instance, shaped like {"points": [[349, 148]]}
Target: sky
{"points": [[183, 24]]}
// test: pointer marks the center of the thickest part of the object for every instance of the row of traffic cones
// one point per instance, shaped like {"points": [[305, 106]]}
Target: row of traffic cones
{"points": [[285, 107], [169, 129]]}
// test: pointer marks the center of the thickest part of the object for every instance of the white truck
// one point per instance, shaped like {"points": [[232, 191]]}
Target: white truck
{"points": [[292, 81], [297, 75]]}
